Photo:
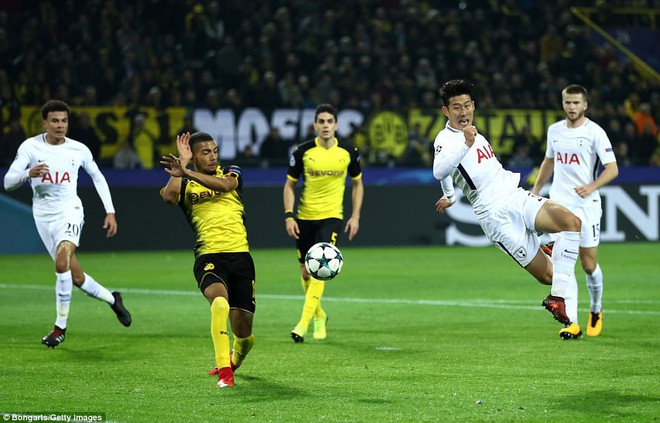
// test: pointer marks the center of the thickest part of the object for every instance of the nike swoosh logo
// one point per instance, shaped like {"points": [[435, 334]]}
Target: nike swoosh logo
{"points": [[571, 252]]}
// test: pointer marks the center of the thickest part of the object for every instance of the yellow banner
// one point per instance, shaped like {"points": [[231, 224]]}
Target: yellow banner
{"points": [[113, 125], [500, 127]]}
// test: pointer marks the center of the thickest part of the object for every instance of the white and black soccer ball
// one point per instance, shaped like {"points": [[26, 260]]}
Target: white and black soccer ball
{"points": [[323, 261]]}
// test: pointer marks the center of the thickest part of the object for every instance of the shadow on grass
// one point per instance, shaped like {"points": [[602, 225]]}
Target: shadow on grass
{"points": [[259, 389], [610, 404]]}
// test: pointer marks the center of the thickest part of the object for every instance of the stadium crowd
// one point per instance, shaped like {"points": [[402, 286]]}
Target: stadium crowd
{"points": [[362, 54]]}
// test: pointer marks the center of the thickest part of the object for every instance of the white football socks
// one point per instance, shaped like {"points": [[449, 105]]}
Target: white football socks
{"points": [[595, 287], [564, 256], [96, 290], [63, 287]]}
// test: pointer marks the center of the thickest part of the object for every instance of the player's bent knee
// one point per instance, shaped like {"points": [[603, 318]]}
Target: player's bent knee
{"points": [[220, 304], [576, 223]]}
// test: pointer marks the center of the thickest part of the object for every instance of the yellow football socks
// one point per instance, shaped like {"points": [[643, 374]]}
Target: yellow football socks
{"points": [[318, 313], [219, 316], [242, 347], [312, 304]]}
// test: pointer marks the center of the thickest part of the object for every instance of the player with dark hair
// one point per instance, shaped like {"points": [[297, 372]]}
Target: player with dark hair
{"points": [[577, 146], [210, 196], [325, 161], [510, 216], [50, 162]]}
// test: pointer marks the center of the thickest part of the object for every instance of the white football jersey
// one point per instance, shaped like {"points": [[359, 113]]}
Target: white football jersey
{"points": [[578, 154], [55, 193], [476, 170]]}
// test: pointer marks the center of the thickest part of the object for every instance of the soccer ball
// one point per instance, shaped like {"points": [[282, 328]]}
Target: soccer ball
{"points": [[323, 261]]}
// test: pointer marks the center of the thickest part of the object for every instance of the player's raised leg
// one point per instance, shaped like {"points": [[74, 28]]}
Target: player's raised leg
{"points": [[562, 301], [91, 287]]}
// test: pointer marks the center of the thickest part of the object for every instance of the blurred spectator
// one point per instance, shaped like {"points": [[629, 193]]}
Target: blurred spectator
{"points": [[212, 101], [82, 130], [246, 157], [143, 142], [642, 118], [622, 152], [273, 149], [521, 158], [420, 148], [655, 158], [535, 148], [126, 158], [646, 143], [188, 125], [289, 91], [233, 101], [10, 141], [215, 24], [228, 61], [551, 45]]}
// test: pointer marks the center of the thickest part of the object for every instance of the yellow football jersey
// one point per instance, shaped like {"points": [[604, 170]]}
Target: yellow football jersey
{"points": [[324, 171], [217, 218]]}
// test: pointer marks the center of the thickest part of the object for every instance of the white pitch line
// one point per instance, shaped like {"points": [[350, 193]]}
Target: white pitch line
{"points": [[479, 303]]}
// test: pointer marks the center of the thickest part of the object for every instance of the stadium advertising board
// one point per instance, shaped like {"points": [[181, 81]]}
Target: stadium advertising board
{"points": [[630, 213], [377, 131]]}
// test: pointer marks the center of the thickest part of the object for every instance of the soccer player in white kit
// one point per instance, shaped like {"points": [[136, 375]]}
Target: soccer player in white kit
{"points": [[50, 163], [510, 216], [576, 148]]}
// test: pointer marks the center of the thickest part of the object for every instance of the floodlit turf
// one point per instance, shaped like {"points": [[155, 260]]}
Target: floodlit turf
{"points": [[415, 335]]}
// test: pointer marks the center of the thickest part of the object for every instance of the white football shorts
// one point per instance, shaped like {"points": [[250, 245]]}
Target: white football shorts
{"points": [[53, 232], [590, 217], [590, 235], [511, 228]]}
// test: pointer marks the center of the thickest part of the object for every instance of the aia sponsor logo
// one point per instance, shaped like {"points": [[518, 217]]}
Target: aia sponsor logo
{"points": [[56, 178], [484, 153], [566, 158]]}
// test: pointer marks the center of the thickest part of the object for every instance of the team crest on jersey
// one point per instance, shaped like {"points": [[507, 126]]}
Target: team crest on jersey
{"points": [[521, 253], [209, 266]]}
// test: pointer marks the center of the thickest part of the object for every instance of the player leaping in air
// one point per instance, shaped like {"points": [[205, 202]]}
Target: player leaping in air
{"points": [[510, 216]]}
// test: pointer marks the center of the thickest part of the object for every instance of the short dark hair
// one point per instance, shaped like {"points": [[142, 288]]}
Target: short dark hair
{"points": [[325, 108], [198, 137], [454, 88], [575, 89], [54, 106]]}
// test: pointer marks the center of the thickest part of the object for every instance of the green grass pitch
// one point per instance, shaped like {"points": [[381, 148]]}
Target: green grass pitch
{"points": [[415, 334]]}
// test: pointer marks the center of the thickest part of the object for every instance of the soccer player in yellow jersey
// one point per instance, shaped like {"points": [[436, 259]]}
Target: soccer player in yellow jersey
{"points": [[325, 162], [210, 197]]}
